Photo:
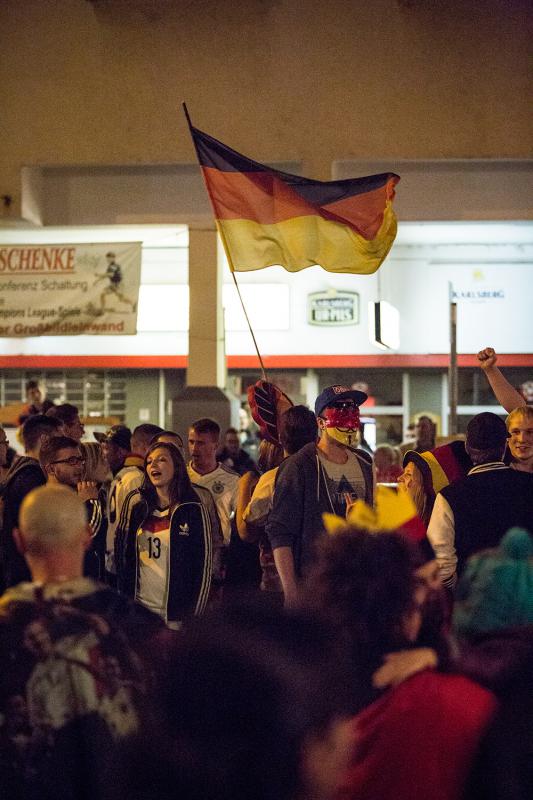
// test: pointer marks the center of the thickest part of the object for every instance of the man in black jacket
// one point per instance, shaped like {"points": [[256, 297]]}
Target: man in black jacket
{"points": [[25, 475], [327, 477], [475, 512]]}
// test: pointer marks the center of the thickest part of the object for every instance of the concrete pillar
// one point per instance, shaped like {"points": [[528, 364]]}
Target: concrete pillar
{"points": [[205, 394]]}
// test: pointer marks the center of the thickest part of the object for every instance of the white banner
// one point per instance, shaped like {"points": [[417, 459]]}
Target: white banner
{"points": [[69, 289]]}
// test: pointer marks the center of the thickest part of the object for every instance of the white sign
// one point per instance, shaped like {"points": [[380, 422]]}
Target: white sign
{"points": [[333, 308], [69, 289]]}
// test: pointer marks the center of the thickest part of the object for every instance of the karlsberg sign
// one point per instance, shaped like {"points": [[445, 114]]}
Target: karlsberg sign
{"points": [[333, 308]]}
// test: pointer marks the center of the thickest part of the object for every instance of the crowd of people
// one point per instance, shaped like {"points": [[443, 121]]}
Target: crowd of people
{"points": [[178, 621]]}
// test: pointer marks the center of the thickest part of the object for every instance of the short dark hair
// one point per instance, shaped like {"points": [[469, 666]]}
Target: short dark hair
{"points": [[206, 425], [65, 412], [51, 448], [159, 434], [180, 488], [145, 433], [33, 384], [231, 430], [35, 426], [298, 426]]}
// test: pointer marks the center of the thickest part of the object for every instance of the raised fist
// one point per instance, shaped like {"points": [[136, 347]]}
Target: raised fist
{"points": [[487, 358]]}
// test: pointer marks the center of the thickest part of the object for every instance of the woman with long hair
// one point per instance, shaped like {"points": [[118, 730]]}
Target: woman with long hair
{"points": [[169, 558]]}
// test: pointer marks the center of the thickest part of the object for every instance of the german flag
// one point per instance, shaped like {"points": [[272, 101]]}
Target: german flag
{"points": [[267, 217]]}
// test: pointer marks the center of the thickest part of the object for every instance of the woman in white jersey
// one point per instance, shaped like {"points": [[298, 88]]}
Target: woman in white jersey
{"points": [[169, 561]]}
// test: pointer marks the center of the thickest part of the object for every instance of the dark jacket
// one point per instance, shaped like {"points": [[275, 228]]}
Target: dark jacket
{"points": [[300, 498], [25, 475], [190, 558], [485, 505]]}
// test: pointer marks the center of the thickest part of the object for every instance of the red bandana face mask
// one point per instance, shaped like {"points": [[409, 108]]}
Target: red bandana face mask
{"points": [[343, 423]]}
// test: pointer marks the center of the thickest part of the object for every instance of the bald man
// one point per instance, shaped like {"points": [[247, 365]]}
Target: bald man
{"points": [[71, 657]]}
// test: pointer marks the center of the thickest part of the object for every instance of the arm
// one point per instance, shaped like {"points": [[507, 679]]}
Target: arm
{"points": [[505, 394], [245, 489], [284, 562], [441, 535]]}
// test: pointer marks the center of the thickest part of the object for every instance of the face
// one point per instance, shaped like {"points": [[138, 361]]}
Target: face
{"points": [[341, 422], [521, 438], [74, 429], [410, 480], [233, 444], [160, 468], [114, 455], [202, 449], [4, 444], [67, 467], [424, 429], [34, 395]]}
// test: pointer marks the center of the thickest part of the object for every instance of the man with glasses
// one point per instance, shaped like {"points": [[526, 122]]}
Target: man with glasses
{"points": [[326, 477], [63, 463]]}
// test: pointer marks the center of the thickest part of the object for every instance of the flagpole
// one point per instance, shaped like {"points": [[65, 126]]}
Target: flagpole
{"points": [[226, 249]]}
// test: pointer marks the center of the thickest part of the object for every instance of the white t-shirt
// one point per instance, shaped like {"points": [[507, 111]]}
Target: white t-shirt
{"points": [[222, 483], [153, 548]]}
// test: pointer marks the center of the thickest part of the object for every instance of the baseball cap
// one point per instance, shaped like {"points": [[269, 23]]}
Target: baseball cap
{"points": [[485, 431], [336, 394], [117, 434]]}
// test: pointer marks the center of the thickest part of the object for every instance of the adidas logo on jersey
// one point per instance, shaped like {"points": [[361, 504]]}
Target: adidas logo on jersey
{"points": [[184, 529]]}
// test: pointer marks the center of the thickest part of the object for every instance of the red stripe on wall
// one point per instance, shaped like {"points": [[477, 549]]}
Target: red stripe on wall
{"points": [[396, 360]]}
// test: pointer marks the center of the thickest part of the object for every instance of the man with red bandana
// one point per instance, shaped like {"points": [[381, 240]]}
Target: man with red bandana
{"points": [[328, 476]]}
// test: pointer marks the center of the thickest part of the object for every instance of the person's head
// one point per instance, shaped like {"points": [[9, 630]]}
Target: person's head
{"points": [[110, 257], [52, 525], [298, 427], [165, 474], [520, 428], [116, 444], [232, 443], [96, 466], [68, 415], [252, 705], [385, 457], [142, 437], [4, 447], [337, 413], [486, 438], [204, 435], [34, 392], [416, 481], [424, 431], [62, 461], [365, 583], [37, 430], [170, 437]]}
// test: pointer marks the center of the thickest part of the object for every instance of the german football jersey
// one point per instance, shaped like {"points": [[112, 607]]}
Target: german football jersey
{"points": [[153, 547], [222, 483]]}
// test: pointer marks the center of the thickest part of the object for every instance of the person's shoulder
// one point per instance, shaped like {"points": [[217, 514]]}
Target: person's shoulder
{"points": [[362, 455]]}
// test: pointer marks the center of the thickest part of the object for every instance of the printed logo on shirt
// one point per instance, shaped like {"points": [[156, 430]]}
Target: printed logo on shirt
{"points": [[184, 529], [217, 487]]}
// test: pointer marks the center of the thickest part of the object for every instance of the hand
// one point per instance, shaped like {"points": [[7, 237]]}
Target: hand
{"points": [[487, 358], [401, 665], [87, 490]]}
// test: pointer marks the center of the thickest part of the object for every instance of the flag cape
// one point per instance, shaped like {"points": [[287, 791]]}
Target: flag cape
{"points": [[267, 217]]}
